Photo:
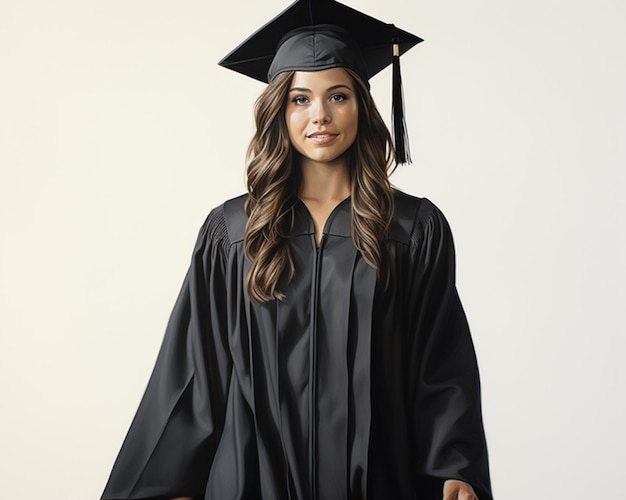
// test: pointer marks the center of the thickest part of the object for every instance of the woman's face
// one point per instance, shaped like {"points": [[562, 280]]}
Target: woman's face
{"points": [[322, 114]]}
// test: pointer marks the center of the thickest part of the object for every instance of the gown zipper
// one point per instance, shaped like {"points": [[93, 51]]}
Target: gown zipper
{"points": [[313, 368], [313, 346]]}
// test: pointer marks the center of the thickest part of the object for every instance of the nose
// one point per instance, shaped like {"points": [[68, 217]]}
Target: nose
{"points": [[320, 114]]}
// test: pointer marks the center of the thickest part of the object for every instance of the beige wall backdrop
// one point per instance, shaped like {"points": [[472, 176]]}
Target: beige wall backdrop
{"points": [[118, 134]]}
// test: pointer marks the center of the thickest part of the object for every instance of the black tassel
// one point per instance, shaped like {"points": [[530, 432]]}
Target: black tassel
{"points": [[400, 135]]}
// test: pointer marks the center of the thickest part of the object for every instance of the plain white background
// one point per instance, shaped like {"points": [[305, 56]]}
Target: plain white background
{"points": [[118, 133]]}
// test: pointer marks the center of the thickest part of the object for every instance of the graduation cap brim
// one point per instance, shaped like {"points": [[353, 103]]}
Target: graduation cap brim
{"points": [[375, 38]]}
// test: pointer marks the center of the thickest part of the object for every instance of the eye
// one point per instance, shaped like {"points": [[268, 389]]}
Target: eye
{"points": [[300, 100], [338, 97]]}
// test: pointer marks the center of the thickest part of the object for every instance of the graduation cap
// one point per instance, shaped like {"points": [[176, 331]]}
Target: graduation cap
{"points": [[311, 35]]}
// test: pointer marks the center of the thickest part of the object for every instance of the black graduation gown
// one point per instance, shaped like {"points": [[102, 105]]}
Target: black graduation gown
{"points": [[345, 389]]}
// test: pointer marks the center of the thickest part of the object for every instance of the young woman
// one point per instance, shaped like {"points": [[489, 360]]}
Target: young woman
{"points": [[318, 348]]}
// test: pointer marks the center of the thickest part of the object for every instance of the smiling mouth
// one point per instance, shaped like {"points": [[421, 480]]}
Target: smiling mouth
{"points": [[322, 138]]}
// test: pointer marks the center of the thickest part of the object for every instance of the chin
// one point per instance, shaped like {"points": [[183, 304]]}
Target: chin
{"points": [[326, 157]]}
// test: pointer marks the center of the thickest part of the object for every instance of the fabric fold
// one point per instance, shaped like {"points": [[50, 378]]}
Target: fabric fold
{"points": [[332, 415], [362, 310]]}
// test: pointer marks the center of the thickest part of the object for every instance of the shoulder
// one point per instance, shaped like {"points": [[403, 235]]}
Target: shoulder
{"points": [[226, 223], [415, 218]]}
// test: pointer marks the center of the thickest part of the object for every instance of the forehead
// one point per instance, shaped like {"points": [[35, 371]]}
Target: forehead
{"points": [[322, 79]]}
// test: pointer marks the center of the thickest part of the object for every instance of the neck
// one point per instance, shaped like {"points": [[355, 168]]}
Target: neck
{"points": [[323, 182]]}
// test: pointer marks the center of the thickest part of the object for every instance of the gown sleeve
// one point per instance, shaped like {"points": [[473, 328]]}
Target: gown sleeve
{"points": [[447, 416], [171, 442]]}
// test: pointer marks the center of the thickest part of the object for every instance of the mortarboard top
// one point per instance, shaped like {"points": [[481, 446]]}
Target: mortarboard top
{"points": [[367, 45], [254, 56]]}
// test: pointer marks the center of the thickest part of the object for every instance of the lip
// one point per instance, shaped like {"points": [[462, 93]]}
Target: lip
{"points": [[322, 137]]}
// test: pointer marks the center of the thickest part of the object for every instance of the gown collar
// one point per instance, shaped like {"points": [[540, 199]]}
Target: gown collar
{"points": [[339, 222]]}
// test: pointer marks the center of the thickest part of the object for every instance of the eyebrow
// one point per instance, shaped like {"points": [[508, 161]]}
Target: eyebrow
{"points": [[329, 89]]}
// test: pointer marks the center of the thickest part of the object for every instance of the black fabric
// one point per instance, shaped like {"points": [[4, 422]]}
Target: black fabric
{"points": [[375, 38], [346, 389], [318, 47]]}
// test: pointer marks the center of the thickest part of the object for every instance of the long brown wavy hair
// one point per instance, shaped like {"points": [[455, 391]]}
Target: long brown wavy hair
{"points": [[273, 177]]}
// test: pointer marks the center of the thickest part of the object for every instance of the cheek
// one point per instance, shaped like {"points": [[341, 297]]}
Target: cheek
{"points": [[294, 121], [351, 120]]}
